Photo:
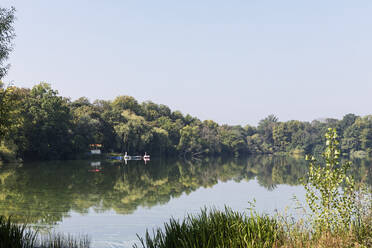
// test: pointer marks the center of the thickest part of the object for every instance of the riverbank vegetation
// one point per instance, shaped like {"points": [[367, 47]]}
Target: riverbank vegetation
{"points": [[216, 228], [228, 228], [38, 123], [335, 218], [22, 236]]}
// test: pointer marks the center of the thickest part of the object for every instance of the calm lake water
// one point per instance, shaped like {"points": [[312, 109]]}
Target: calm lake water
{"points": [[112, 202]]}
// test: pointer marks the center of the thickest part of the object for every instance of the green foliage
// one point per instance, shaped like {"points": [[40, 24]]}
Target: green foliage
{"points": [[9, 110], [40, 124], [6, 37], [333, 208], [216, 229], [47, 124]]}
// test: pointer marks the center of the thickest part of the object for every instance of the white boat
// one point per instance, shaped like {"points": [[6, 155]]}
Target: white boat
{"points": [[146, 157], [126, 157]]}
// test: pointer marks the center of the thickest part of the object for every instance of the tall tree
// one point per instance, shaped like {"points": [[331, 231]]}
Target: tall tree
{"points": [[47, 124], [6, 37]]}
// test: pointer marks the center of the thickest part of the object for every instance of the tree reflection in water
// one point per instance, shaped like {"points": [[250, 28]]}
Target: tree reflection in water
{"points": [[45, 192]]}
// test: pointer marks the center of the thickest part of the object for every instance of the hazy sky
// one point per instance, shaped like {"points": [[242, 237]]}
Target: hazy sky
{"points": [[231, 61]]}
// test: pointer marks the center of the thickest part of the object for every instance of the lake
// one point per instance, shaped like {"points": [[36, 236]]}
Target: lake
{"points": [[112, 202]]}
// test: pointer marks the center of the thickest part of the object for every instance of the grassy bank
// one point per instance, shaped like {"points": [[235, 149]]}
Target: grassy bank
{"points": [[212, 229], [341, 216], [228, 228]]}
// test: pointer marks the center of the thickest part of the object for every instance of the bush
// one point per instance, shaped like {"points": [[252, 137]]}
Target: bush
{"points": [[333, 208]]}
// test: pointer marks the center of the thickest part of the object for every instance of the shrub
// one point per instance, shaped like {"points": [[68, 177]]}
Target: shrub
{"points": [[333, 208]]}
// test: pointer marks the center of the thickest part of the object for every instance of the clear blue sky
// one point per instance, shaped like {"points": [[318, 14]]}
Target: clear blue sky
{"points": [[231, 61]]}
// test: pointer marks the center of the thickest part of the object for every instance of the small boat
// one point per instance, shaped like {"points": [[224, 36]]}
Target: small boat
{"points": [[146, 157], [116, 157], [126, 157]]}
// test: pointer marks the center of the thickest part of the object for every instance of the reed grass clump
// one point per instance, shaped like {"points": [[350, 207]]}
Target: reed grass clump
{"points": [[21, 236], [15, 236], [58, 240], [216, 228]]}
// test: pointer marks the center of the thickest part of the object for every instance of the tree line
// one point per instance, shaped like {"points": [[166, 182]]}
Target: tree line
{"points": [[38, 123]]}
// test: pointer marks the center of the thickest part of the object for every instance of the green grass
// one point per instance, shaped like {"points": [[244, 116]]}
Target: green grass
{"points": [[20, 236], [214, 229], [14, 236], [229, 228]]}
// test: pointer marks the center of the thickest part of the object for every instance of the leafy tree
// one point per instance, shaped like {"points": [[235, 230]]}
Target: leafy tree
{"points": [[265, 128], [87, 125], [6, 37], [190, 140], [256, 145], [47, 126], [127, 103], [9, 110], [232, 139], [346, 122], [134, 133], [210, 138], [172, 127], [281, 136]]}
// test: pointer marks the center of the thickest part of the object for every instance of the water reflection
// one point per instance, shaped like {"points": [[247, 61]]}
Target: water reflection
{"points": [[44, 193]]}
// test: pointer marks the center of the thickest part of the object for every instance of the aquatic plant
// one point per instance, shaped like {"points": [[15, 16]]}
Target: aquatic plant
{"points": [[58, 240], [215, 228], [15, 236]]}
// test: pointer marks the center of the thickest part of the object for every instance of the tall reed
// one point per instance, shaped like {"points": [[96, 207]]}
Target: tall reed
{"points": [[216, 228], [58, 240], [21, 236], [15, 236]]}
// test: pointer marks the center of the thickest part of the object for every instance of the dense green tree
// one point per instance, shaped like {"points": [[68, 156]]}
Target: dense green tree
{"points": [[281, 136], [6, 37], [233, 139], [127, 103], [346, 122], [87, 125], [190, 140], [265, 128], [47, 125], [210, 139], [9, 109], [257, 145]]}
